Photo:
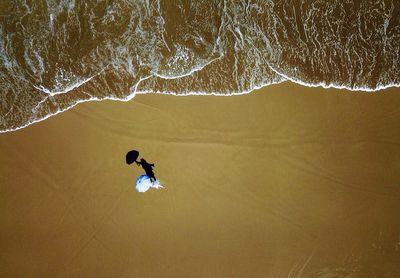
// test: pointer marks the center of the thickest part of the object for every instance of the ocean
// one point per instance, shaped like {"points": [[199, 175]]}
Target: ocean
{"points": [[55, 54]]}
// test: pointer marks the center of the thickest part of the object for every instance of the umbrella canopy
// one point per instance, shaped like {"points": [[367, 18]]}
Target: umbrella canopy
{"points": [[131, 156]]}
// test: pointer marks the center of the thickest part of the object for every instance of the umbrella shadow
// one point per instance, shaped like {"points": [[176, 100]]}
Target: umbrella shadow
{"points": [[132, 156]]}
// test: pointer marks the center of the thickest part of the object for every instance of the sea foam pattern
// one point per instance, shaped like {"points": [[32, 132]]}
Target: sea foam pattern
{"points": [[55, 54]]}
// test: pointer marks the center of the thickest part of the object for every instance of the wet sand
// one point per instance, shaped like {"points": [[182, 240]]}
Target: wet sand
{"points": [[286, 181]]}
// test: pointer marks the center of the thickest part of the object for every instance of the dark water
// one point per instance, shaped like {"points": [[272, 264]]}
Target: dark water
{"points": [[57, 53]]}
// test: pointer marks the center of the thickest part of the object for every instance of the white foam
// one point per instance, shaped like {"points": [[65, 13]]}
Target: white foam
{"points": [[132, 95], [229, 23], [68, 88], [332, 85]]}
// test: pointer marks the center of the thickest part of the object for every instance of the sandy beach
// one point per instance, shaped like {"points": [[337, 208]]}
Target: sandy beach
{"points": [[287, 181]]}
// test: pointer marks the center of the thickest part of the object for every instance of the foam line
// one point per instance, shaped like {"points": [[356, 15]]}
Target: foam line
{"points": [[68, 88], [332, 85], [132, 95]]}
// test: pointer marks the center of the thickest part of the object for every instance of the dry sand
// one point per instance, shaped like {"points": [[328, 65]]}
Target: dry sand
{"points": [[286, 181]]}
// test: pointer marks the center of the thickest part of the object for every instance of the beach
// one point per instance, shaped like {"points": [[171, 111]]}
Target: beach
{"points": [[287, 181]]}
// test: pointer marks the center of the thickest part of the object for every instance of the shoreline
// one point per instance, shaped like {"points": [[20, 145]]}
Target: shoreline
{"points": [[206, 94]]}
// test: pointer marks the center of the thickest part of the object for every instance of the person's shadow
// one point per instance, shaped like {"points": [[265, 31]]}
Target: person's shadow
{"points": [[148, 168]]}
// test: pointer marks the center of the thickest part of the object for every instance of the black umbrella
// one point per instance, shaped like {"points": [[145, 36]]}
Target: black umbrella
{"points": [[131, 156]]}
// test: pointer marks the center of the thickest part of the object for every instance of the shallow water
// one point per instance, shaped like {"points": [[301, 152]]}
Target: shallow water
{"points": [[55, 54]]}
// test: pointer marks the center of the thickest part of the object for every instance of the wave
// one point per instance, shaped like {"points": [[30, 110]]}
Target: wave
{"points": [[55, 54]]}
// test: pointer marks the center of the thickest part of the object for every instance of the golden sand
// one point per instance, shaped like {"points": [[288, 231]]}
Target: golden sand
{"points": [[283, 182]]}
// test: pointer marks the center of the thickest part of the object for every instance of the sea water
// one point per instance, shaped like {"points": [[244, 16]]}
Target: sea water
{"points": [[55, 54]]}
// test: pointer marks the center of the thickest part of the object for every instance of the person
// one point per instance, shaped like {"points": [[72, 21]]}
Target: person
{"points": [[148, 168]]}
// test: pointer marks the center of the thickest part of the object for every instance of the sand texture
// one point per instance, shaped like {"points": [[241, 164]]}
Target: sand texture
{"points": [[287, 181]]}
